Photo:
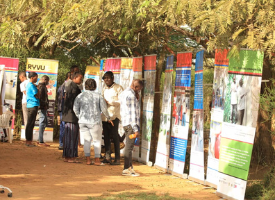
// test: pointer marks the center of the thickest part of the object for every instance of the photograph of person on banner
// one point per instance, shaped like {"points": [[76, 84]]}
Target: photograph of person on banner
{"points": [[214, 139], [197, 131], [242, 106], [219, 88]]}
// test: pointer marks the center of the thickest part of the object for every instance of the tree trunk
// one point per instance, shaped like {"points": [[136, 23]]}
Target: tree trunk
{"points": [[156, 115], [263, 149]]}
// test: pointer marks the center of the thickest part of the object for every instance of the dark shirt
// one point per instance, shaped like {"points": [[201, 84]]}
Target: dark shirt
{"points": [[68, 115], [60, 97], [44, 101]]}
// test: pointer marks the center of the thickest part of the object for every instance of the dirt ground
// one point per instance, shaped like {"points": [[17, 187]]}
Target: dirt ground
{"points": [[40, 173]]}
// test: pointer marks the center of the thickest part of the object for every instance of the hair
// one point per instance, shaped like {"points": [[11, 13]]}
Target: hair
{"points": [[108, 73], [32, 74], [75, 75], [45, 77], [90, 84], [73, 67], [23, 74], [139, 82], [68, 75]]}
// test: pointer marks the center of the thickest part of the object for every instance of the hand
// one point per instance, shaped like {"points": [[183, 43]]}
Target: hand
{"points": [[136, 133], [110, 121]]}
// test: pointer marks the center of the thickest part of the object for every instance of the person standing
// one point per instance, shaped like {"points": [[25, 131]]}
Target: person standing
{"points": [[241, 101], [43, 108], [71, 136], [130, 117], [32, 107], [88, 107], [111, 92], [23, 86], [60, 105]]}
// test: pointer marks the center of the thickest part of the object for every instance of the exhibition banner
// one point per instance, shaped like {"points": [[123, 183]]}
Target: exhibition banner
{"points": [[125, 72], [148, 105], [137, 74], [50, 68], [180, 114], [114, 65], [218, 99], [11, 74], [243, 86], [94, 73], [162, 155], [196, 171]]}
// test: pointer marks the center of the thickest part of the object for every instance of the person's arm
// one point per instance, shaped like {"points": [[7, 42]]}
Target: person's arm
{"points": [[76, 106], [119, 90], [23, 88]]}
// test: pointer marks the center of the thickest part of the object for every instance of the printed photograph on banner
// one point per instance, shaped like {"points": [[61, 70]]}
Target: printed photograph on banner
{"points": [[218, 95], [149, 83], [181, 110], [164, 128], [166, 103], [147, 122], [215, 139], [242, 94], [11, 84], [197, 131]]}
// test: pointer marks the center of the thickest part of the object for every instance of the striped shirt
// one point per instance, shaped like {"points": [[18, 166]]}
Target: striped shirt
{"points": [[130, 109]]}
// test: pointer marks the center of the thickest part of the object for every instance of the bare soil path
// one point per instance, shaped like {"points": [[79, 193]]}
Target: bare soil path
{"points": [[40, 173]]}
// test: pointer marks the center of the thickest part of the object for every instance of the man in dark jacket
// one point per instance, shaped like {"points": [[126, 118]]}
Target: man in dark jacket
{"points": [[44, 105], [60, 99]]}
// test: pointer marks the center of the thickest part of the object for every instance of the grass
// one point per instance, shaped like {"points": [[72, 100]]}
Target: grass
{"points": [[135, 196]]}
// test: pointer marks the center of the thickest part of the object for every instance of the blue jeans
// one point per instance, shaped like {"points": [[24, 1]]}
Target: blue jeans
{"points": [[43, 122], [183, 120], [62, 129]]}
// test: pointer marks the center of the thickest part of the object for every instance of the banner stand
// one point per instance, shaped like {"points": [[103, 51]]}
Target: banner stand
{"points": [[196, 180], [224, 196], [211, 184], [161, 168], [183, 176]]}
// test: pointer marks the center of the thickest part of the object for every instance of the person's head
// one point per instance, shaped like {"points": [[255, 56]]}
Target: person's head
{"points": [[33, 77], [45, 79], [74, 68], [137, 85], [68, 76], [77, 78], [22, 76], [90, 84], [241, 82], [108, 78]]}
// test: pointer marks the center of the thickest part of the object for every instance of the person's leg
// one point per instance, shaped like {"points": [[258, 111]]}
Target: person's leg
{"points": [[96, 132], [183, 119], [116, 138], [84, 131], [107, 140], [241, 116], [61, 133], [42, 124], [25, 113], [32, 112], [128, 147], [70, 150]]}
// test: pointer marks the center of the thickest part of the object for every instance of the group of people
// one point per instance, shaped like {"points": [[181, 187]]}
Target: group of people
{"points": [[35, 101], [85, 112]]}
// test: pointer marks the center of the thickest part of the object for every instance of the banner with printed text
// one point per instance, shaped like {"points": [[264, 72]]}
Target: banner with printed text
{"points": [[240, 115], [11, 71], [217, 107], [148, 105], [162, 155], [114, 65], [180, 114], [137, 74], [50, 68], [196, 171]]}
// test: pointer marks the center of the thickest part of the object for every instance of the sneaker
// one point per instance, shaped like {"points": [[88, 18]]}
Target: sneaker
{"points": [[60, 148], [126, 172], [133, 173]]}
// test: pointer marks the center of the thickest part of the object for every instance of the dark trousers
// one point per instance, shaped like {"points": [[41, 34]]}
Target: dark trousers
{"points": [[128, 147], [32, 112], [109, 132]]}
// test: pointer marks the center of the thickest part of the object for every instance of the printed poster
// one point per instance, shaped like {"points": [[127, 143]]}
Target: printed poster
{"points": [[137, 74], [162, 155], [148, 105], [218, 100], [180, 114], [94, 73], [11, 74], [196, 172], [243, 86], [113, 64], [50, 68], [125, 72]]}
